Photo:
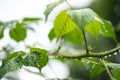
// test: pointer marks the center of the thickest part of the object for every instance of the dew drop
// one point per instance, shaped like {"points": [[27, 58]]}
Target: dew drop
{"points": [[119, 51], [87, 62], [76, 59], [106, 56], [109, 55], [100, 59], [115, 53]]}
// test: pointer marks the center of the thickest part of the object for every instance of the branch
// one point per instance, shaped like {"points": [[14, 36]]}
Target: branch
{"points": [[83, 55], [108, 71]]}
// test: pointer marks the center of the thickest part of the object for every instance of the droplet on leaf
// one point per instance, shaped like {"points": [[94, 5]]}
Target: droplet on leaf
{"points": [[109, 55], [105, 56], [115, 53]]}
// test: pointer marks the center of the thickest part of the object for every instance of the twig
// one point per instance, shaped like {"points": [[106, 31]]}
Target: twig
{"points": [[108, 71], [83, 55], [86, 45]]}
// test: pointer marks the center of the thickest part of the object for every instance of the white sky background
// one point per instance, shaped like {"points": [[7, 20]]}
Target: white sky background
{"points": [[18, 9]]}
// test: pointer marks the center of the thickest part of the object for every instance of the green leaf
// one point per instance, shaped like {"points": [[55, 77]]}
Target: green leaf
{"points": [[31, 60], [51, 6], [38, 51], [51, 34], [116, 74], [82, 17], [18, 33], [94, 28], [75, 36], [21, 53], [38, 58], [113, 66], [43, 61], [108, 30], [96, 70], [12, 62], [31, 19], [63, 24]]}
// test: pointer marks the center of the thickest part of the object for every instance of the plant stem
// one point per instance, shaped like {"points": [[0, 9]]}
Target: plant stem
{"points": [[83, 55], [86, 45], [69, 4], [59, 46], [108, 71], [91, 61]]}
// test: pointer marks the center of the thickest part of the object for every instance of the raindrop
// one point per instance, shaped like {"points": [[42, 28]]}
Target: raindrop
{"points": [[119, 51], [106, 56], [87, 62], [100, 59], [76, 59], [109, 55], [115, 53]]}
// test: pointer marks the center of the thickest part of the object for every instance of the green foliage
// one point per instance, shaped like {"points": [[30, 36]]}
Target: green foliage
{"points": [[94, 28], [11, 63], [67, 22], [115, 69], [96, 70], [113, 66], [82, 17], [63, 24], [116, 74], [108, 30], [18, 33], [38, 58], [75, 36], [51, 6], [72, 26], [18, 29]]}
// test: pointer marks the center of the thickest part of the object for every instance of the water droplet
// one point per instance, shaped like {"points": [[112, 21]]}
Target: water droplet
{"points": [[106, 56], [109, 55], [115, 53], [119, 51], [87, 62], [100, 59], [76, 59]]}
